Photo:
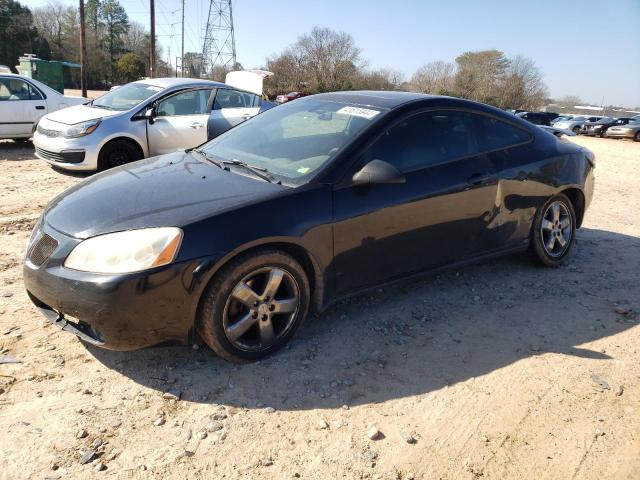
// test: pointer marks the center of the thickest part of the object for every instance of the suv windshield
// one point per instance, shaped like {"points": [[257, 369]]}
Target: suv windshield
{"points": [[294, 140], [126, 97]]}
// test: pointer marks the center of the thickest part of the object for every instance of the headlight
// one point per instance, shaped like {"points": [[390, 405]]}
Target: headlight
{"points": [[81, 129], [126, 252]]}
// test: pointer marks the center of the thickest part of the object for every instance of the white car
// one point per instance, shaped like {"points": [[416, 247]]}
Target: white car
{"points": [[23, 101], [145, 118]]}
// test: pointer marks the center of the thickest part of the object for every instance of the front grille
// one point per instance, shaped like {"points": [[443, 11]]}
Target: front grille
{"points": [[48, 133], [42, 249], [65, 157]]}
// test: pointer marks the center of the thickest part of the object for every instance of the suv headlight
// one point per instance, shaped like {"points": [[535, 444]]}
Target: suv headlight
{"points": [[81, 129], [126, 252]]}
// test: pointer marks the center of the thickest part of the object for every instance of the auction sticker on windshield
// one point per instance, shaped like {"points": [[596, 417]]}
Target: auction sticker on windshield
{"points": [[359, 112]]}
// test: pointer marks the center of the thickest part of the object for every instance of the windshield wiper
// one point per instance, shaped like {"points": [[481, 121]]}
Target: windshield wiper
{"points": [[202, 153], [260, 172], [102, 106]]}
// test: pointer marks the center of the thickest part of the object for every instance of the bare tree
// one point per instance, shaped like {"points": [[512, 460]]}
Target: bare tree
{"points": [[434, 77], [522, 85], [331, 58]]}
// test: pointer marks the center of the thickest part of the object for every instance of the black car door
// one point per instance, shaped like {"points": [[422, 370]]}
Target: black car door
{"points": [[444, 211]]}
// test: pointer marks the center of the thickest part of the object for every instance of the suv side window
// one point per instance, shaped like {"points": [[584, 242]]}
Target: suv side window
{"points": [[227, 98], [494, 134], [190, 102], [426, 139]]}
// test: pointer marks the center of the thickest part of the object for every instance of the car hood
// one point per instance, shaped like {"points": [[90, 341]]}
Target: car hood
{"points": [[80, 113], [171, 190]]}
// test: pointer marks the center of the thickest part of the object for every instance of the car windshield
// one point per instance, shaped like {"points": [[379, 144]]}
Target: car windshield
{"points": [[294, 140], [605, 120], [126, 97]]}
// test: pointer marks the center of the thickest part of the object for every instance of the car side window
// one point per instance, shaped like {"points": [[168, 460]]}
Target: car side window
{"points": [[16, 89], [494, 134], [191, 102], [226, 98], [34, 94], [426, 139]]}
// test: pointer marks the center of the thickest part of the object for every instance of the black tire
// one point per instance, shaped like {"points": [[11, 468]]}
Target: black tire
{"points": [[636, 138], [213, 322], [577, 130], [116, 153], [541, 237]]}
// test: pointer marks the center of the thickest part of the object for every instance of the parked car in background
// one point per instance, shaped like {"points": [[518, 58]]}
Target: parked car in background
{"points": [[300, 206], [630, 130], [290, 96], [561, 118], [558, 132], [552, 115], [600, 127], [537, 118], [141, 119], [575, 123], [23, 101]]}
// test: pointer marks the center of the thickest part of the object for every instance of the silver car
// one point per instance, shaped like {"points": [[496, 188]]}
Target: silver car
{"points": [[141, 119], [630, 130], [575, 123]]}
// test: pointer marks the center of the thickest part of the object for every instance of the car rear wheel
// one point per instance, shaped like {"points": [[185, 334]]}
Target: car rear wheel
{"points": [[254, 305], [554, 231], [116, 153], [576, 130], [637, 137]]}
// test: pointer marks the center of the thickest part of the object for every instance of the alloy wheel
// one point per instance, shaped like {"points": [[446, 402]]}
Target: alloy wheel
{"points": [[556, 229], [261, 308]]}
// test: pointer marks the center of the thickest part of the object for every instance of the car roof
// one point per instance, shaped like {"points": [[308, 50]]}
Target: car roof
{"points": [[169, 82], [373, 98]]}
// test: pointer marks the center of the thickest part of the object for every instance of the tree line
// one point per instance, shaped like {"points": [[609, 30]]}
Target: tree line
{"points": [[322, 60], [117, 48]]}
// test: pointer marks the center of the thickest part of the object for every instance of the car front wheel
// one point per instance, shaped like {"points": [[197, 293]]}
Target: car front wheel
{"points": [[116, 153], [554, 231], [254, 305]]}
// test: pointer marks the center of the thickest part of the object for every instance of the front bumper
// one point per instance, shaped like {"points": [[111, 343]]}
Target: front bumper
{"points": [[79, 154], [118, 312]]}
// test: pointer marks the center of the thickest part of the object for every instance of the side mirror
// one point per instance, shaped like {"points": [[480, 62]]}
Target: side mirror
{"points": [[149, 114], [377, 171]]}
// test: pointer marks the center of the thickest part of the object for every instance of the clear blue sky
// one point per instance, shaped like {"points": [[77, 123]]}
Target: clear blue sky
{"points": [[588, 48]]}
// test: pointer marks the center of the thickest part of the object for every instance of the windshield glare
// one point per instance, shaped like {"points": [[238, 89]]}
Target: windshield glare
{"points": [[126, 97], [294, 140]]}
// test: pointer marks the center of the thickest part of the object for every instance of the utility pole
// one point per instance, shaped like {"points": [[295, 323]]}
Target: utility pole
{"points": [[152, 40], [83, 53], [182, 53]]}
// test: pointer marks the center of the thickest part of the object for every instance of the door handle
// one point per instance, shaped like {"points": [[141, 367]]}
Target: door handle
{"points": [[196, 125], [39, 107], [479, 178], [246, 117]]}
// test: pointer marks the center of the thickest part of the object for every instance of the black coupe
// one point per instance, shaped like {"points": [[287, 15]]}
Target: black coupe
{"points": [[294, 209]]}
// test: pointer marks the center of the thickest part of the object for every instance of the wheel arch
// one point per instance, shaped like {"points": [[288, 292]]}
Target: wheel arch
{"points": [[576, 196], [301, 254]]}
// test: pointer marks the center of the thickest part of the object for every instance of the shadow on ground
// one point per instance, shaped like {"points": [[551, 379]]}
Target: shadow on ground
{"points": [[420, 337]]}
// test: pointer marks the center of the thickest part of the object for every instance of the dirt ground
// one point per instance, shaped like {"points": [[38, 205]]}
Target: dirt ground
{"points": [[499, 370]]}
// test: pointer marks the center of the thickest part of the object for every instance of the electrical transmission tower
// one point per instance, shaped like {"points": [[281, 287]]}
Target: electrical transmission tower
{"points": [[219, 46]]}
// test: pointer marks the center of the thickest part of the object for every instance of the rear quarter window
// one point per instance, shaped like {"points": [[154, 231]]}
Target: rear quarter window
{"points": [[494, 134]]}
